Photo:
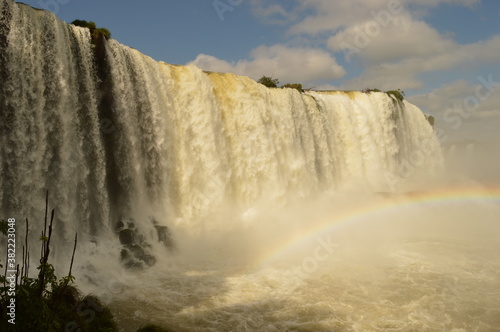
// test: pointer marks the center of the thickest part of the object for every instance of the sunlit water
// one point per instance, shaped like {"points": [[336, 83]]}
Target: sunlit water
{"points": [[409, 266]]}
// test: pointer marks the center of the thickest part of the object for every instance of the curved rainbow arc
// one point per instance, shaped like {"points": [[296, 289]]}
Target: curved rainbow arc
{"points": [[379, 206]]}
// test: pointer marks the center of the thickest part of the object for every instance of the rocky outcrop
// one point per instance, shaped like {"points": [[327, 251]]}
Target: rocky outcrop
{"points": [[163, 233], [136, 252]]}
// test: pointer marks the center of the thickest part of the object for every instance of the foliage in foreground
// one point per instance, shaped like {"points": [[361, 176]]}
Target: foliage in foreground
{"points": [[47, 303]]}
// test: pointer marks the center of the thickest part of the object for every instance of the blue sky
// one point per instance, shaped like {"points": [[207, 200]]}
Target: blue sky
{"points": [[440, 52]]}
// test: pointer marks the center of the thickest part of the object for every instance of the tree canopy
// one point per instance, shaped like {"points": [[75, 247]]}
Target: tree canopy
{"points": [[269, 81]]}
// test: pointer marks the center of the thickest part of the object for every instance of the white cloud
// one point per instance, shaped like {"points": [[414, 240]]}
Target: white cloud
{"points": [[393, 46], [453, 96], [432, 55], [304, 65], [330, 16], [333, 15], [401, 38], [271, 13], [433, 3], [464, 110], [211, 63]]}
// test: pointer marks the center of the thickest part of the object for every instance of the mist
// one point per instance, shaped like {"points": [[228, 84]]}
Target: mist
{"points": [[357, 261], [474, 160]]}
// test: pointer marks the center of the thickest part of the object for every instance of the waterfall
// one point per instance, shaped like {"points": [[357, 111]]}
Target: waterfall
{"points": [[112, 133]]}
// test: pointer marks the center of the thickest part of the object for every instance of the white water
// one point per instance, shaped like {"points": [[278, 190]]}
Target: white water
{"points": [[176, 142], [424, 268], [232, 168]]}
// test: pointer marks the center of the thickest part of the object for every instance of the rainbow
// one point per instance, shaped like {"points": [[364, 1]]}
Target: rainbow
{"points": [[382, 204]]}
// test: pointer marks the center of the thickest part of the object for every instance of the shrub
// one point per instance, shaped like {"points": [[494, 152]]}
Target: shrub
{"points": [[103, 31], [294, 86], [268, 81], [84, 24], [368, 90], [398, 94], [431, 119], [94, 31]]}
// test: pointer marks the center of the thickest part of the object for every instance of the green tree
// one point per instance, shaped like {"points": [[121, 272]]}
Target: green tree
{"points": [[269, 81]]}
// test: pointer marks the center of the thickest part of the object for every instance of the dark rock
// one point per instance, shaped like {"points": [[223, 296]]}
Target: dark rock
{"points": [[150, 260], [125, 254], [127, 237], [140, 254], [119, 225], [133, 265], [164, 235], [137, 250]]}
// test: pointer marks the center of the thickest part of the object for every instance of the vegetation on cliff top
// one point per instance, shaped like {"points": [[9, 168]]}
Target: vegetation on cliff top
{"points": [[431, 119], [273, 83], [398, 94], [296, 86], [269, 81], [95, 32]]}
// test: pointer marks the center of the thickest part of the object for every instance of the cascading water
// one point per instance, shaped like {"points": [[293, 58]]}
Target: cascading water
{"points": [[238, 172], [151, 138]]}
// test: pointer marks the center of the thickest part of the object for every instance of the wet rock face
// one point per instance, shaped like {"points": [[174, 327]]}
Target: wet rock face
{"points": [[164, 236], [127, 237], [163, 233], [136, 251]]}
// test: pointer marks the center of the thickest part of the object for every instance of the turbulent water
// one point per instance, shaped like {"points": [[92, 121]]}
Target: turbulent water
{"points": [[233, 169], [426, 267]]}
